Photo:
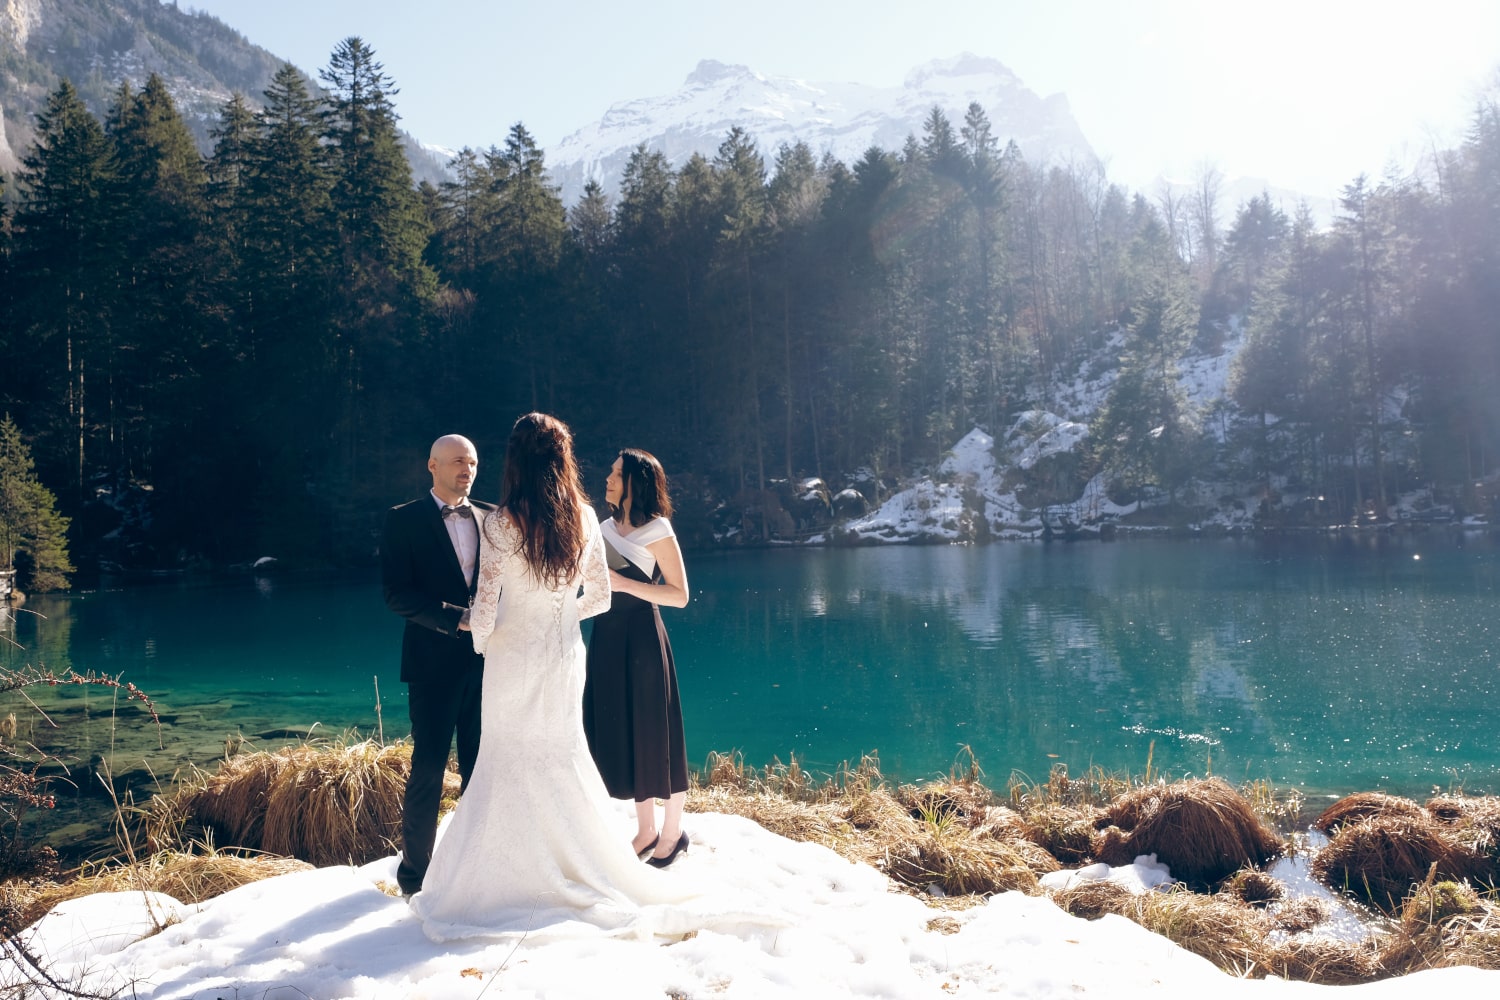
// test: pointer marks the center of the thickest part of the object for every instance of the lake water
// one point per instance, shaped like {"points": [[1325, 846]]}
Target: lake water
{"points": [[1335, 664]]}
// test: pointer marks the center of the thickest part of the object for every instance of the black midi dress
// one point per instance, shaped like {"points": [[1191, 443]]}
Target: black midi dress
{"points": [[631, 712]]}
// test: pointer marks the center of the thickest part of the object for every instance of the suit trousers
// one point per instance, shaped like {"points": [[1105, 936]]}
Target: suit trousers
{"points": [[438, 709]]}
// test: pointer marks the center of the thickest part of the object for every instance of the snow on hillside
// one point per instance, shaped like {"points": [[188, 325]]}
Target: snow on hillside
{"points": [[972, 494], [843, 119]]}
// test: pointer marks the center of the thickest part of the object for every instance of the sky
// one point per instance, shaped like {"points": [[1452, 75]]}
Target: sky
{"points": [[836, 930], [1305, 94]]}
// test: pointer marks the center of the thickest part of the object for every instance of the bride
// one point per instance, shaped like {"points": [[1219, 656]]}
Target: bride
{"points": [[534, 843]]}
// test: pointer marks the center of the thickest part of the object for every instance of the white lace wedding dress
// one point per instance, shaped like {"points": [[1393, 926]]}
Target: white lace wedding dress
{"points": [[535, 844]]}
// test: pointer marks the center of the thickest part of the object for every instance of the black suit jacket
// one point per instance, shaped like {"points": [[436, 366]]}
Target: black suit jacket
{"points": [[425, 585]]}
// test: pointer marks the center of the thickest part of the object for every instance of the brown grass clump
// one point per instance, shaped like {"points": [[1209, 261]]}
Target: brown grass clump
{"points": [[1066, 832], [1475, 822], [1255, 887], [1278, 809], [957, 864], [1006, 825], [823, 824], [1437, 902], [1364, 805], [338, 805], [1331, 963], [1442, 924], [187, 878], [323, 803], [865, 822], [728, 770], [1092, 899], [1380, 858], [1202, 829], [1297, 915], [231, 803], [966, 801], [876, 810], [1096, 787], [1222, 929]]}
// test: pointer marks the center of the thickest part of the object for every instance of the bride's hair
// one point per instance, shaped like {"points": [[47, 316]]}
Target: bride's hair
{"points": [[544, 493], [644, 482]]}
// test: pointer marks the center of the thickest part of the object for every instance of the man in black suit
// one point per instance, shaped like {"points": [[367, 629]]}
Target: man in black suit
{"points": [[429, 561]]}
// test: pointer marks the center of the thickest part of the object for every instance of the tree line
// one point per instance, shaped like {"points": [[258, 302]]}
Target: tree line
{"points": [[247, 353]]}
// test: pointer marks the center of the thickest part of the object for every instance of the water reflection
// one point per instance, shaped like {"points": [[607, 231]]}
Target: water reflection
{"points": [[1337, 665]]}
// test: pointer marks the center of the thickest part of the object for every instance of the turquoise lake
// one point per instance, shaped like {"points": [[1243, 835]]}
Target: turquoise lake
{"points": [[1332, 663]]}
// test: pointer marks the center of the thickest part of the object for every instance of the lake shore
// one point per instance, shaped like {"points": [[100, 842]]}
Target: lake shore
{"points": [[1241, 897]]}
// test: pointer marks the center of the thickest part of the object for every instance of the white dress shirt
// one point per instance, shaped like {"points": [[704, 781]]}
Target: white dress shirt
{"points": [[463, 532]]}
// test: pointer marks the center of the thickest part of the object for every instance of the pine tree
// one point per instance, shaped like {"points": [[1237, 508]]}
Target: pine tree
{"points": [[384, 284], [382, 228], [796, 195], [1146, 429], [63, 269], [285, 337], [468, 207], [33, 536], [740, 176], [158, 194], [590, 220]]}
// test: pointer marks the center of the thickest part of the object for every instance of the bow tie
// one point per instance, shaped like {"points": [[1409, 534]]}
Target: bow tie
{"points": [[458, 510]]}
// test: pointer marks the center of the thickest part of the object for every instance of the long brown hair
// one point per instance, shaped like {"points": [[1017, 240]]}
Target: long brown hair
{"points": [[644, 482], [544, 493]]}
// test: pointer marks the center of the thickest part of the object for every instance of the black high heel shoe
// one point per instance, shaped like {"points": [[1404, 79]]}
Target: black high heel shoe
{"points": [[679, 848], [649, 847]]}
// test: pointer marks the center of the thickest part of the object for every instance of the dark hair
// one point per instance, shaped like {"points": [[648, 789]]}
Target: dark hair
{"points": [[644, 482], [543, 492]]}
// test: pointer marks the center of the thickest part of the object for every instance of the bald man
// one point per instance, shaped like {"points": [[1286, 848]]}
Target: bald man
{"points": [[429, 560]]}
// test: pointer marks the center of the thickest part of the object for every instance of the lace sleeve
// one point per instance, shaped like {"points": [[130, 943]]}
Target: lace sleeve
{"points": [[486, 604], [594, 574]]}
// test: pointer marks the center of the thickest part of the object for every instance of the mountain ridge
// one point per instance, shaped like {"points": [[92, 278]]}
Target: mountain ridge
{"points": [[843, 119], [96, 45]]}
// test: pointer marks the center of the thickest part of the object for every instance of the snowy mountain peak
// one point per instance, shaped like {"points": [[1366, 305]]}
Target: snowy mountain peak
{"points": [[841, 119], [962, 65], [711, 71]]}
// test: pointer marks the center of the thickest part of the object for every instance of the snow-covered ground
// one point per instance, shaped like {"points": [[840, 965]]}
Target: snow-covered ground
{"points": [[841, 932]]}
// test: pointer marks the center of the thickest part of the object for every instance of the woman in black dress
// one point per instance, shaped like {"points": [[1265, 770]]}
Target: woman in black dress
{"points": [[631, 712]]}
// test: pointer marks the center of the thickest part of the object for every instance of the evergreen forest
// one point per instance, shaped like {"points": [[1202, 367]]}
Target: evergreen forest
{"points": [[217, 357]]}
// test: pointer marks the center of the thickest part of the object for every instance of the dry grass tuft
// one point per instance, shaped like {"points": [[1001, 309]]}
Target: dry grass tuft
{"points": [[1278, 809], [1475, 822], [340, 805], [1443, 924], [1433, 903], [231, 802], [728, 770], [1255, 887], [1095, 788], [1331, 963], [1093, 899], [1203, 829], [966, 801], [188, 878], [1297, 915], [1066, 832], [1231, 933], [1379, 859], [326, 803], [957, 864], [1364, 805], [1227, 932]]}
